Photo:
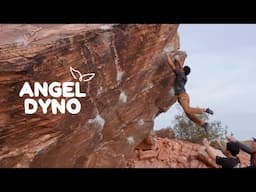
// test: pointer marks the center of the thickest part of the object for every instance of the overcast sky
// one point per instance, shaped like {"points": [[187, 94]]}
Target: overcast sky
{"points": [[223, 74]]}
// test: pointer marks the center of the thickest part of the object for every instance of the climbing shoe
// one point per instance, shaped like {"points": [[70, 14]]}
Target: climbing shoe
{"points": [[209, 111]]}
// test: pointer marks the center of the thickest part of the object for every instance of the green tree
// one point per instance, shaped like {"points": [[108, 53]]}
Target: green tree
{"points": [[188, 130]]}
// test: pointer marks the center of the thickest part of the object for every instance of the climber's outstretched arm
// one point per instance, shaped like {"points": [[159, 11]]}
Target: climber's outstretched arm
{"points": [[242, 146], [180, 65], [220, 146], [209, 149], [171, 64]]}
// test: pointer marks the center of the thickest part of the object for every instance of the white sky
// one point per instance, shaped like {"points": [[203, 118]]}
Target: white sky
{"points": [[223, 74]]}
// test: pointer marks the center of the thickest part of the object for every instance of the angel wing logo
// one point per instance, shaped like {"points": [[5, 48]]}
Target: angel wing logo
{"points": [[81, 77]]}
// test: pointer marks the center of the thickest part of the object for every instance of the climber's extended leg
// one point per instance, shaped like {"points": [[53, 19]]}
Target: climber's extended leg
{"points": [[191, 112], [183, 99]]}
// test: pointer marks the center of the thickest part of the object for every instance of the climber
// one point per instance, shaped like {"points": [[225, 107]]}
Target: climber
{"points": [[180, 92], [250, 150], [229, 160]]}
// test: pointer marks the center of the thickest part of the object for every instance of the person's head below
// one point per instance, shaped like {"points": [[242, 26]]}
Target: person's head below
{"points": [[232, 148]]}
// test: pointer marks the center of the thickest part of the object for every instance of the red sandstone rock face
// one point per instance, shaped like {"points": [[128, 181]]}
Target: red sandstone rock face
{"points": [[132, 82], [173, 153]]}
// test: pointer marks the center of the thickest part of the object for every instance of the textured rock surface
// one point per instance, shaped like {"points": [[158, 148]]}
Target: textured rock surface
{"points": [[132, 82], [173, 153]]}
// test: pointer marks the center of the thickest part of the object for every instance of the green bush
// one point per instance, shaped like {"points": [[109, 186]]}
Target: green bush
{"points": [[188, 130]]}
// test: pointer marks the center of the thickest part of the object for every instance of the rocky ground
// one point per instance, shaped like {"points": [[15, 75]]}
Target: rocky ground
{"points": [[174, 153]]}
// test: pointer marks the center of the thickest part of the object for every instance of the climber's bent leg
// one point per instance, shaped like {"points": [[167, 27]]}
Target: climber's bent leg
{"points": [[183, 99]]}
